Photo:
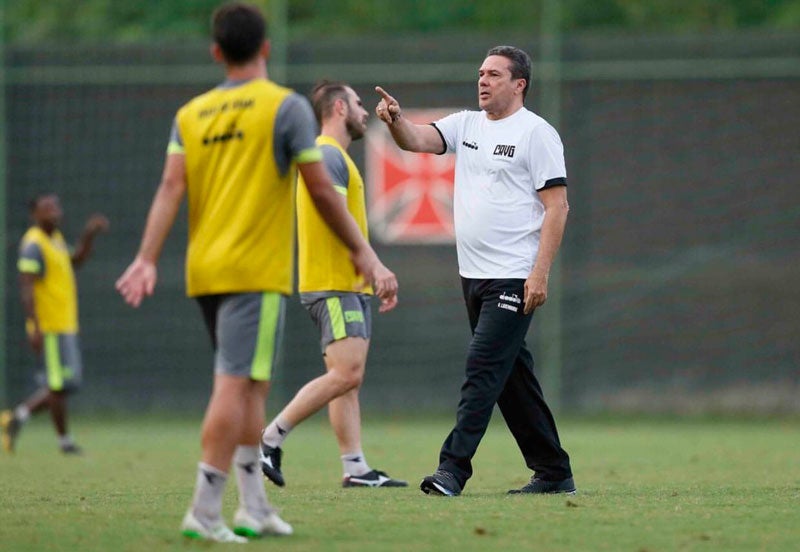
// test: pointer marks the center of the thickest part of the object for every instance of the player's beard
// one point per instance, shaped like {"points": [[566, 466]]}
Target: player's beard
{"points": [[355, 128]]}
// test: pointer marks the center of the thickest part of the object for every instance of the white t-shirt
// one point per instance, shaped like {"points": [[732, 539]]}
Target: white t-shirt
{"points": [[500, 165]]}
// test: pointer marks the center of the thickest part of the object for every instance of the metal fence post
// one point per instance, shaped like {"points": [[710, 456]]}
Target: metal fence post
{"points": [[550, 97]]}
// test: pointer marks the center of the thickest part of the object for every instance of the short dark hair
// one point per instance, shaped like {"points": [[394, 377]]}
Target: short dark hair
{"points": [[324, 95], [520, 63], [239, 29], [33, 202]]}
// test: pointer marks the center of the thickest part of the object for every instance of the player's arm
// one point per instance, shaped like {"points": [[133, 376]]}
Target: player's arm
{"points": [[30, 266], [94, 225], [26, 281], [334, 212], [409, 136], [555, 220], [140, 278], [296, 124]]}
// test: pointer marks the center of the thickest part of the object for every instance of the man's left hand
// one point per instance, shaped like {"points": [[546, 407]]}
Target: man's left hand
{"points": [[535, 291]]}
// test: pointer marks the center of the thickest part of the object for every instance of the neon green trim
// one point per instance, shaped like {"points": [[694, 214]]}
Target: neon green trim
{"points": [[341, 189], [31, 266], [243, 531], [261, 369], [310, 155], [336, 316], [175, 147], [353, 316], [52, 362]]}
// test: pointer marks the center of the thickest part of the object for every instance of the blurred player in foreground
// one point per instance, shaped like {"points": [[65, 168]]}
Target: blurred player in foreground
{"points": [[50, 301], [510, 211], [233, 149], [335, 297]]}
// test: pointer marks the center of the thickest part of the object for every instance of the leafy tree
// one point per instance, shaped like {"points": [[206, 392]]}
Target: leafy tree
{"points": [[32, 21]]}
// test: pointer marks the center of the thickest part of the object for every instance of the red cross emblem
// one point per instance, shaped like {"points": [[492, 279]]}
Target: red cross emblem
{"points": [[410, 194]]}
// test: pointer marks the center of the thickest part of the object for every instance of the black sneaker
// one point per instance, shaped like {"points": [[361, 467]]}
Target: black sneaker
{"points": [[540, 486], [374, 478], [271, 464], [72, 449], [441, 483]]}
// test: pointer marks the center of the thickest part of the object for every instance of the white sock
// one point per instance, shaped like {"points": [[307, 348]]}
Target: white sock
{"points": [[65, 440], [22, 413], [249, 480], [208, 491], [276, 432], [355, 464]]}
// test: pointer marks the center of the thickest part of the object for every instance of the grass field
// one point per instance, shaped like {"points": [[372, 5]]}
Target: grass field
{"points": [[644, 485]]}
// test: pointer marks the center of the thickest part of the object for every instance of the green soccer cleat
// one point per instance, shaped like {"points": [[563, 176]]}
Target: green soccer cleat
{"points": [[192, 528], [254, 527]]}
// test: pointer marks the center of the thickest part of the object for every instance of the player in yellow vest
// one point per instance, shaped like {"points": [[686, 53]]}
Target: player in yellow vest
{"points": [[50, 301], [335, 297], [234, 151]]}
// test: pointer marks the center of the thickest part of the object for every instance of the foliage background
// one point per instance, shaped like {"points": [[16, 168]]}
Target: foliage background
{"points": [[32, 21]]}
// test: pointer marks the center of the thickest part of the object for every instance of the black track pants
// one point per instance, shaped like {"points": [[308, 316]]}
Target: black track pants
{"points": [[500, 370]]}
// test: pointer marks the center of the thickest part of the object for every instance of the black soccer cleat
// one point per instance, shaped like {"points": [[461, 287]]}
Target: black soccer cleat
{"points": [[442, 483], [71, 449], [374, 478], [540, 486], [270, 458]]}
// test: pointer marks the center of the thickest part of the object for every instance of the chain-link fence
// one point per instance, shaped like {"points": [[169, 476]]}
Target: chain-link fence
{"points": [[679, 264]]}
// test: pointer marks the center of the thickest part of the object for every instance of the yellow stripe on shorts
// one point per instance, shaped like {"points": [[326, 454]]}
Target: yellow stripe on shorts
{"points": [[337, 317], [269, 319], [52, 362]]}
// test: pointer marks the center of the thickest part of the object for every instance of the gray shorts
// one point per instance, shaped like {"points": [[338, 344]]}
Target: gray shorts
{"points": [[338, 314], [246, 330], [61, 363]]}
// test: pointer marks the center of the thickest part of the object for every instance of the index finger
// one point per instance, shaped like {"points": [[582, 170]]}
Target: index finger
{"points": [[385, 95]]}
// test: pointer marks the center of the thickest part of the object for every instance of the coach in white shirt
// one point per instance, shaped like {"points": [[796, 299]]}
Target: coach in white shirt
{"points": [[510, 212]]}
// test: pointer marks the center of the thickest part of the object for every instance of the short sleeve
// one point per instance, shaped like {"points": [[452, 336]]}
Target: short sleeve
{"points": [[336, 166], [31, 260], [449, 128], [547, 158], [175, 144], [296, 132]]}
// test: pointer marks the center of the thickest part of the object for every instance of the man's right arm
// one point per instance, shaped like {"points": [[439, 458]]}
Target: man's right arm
{"points": [[26, 281], [31, 267], [409, 136]]}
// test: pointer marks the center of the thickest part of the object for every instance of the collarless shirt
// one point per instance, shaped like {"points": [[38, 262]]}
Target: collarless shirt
{"points": [[500, 167]]}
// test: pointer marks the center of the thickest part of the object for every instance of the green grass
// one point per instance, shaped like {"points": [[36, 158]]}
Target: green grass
{"points": [[650, 485]]}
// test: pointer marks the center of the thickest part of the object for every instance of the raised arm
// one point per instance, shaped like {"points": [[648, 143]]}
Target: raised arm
{"points": [[94, 225], [409, 136], [139, 280]]}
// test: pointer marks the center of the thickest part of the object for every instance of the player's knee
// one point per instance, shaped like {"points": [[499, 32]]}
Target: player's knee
{"points": [[348, 377]]}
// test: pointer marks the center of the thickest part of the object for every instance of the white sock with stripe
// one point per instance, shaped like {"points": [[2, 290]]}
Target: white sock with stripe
{"points": [[22, 413], [276, 432], [208, 491], [355, 463], [252, 496]]}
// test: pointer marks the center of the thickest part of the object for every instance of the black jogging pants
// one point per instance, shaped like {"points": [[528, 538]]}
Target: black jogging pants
{"points": [[499, 369]]}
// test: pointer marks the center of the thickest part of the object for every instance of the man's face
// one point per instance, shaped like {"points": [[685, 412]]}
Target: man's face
{"points": [[496, 88], [47, 213], [356, 121]]}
